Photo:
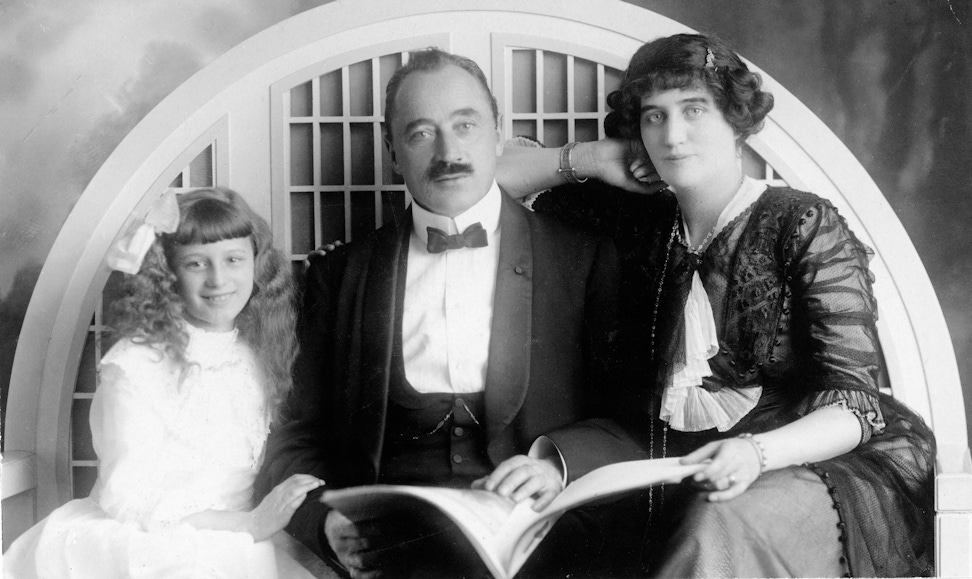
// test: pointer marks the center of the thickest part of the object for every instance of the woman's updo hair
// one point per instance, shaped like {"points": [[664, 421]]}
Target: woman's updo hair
{"points": [[683, 61]]}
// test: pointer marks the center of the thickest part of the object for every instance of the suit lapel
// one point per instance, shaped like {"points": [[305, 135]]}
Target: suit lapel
{"points": [[381, 309], [508, 371]]}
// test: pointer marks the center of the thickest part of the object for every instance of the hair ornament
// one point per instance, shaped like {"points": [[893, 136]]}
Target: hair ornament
{"points": [[126, 254], [710, 59]]}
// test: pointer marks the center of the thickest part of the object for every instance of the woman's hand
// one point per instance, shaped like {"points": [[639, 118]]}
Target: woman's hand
{"points": [[624, 164], [274, 511], [733, 465], [521, 477]]}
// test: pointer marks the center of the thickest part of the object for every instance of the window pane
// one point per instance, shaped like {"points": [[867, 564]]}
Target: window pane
{"points": [[81, 446], [87, 370], [524, 81], [387, 65], [332, 216], [585, 86], [332, 154], [331, 94], [554, 133], [201, 169], [301, 154], [525, 129], [585, 130], [302, 222], [300, 100], [177, 182], [362, 154], [554, 82], [359, 79], [84, 479]]}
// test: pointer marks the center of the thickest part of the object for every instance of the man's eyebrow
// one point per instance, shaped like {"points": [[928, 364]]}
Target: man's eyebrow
{"points": [[467, 112], [463, 112]]}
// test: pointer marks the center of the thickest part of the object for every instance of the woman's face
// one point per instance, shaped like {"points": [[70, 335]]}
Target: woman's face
{"points": [[687, 137], [215, 281]]}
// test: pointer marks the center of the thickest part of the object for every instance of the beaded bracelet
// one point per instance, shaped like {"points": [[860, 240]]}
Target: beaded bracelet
{"points": [[566, 168], [760, 449]]}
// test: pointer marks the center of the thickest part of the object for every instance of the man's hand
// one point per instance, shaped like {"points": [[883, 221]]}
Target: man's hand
{"points": [[521, 477], [355, 546]]}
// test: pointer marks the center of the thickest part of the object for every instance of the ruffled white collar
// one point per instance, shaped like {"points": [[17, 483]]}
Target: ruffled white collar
{"points": [[211, 349], [685, 404]]}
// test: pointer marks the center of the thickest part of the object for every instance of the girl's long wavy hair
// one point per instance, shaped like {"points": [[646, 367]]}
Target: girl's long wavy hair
{"points": [[151, 311], [680, 61]]}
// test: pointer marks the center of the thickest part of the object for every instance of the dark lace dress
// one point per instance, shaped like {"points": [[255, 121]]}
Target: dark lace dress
{"points": [[791, 296]]}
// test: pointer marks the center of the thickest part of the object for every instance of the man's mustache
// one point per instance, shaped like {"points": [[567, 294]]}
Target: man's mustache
{"points": [[443, 168]]}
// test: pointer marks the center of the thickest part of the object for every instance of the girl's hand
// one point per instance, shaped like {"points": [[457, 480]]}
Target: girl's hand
{"points": [[274, 511], [625, 164], [733, 465]]}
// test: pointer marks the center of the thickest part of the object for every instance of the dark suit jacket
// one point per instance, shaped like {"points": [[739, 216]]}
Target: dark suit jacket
{"points": [[551, 354]]}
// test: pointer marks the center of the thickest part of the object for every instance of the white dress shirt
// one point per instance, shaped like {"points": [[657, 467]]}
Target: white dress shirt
{"points": [[449, 301]]}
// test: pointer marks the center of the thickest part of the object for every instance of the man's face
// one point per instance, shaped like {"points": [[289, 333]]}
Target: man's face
{"points": [[445, 139]]}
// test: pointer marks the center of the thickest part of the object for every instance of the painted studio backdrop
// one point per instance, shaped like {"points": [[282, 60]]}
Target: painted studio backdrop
{"points": [[889, 77]]}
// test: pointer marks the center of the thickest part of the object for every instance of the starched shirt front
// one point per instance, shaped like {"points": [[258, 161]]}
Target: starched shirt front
{"points": [[449, 301]]}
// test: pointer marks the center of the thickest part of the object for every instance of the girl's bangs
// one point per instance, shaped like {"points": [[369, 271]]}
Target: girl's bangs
{"points": [[209, 221]]}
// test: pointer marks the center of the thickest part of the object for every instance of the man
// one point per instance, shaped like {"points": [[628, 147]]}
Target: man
{"points": [[437, 360]]}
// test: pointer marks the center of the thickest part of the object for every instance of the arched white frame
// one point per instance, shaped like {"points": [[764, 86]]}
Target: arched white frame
{"points": [[798, 146]]}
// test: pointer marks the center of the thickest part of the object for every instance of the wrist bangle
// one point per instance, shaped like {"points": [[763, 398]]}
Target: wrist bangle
{"points": [[566, 167], [758, 446]]}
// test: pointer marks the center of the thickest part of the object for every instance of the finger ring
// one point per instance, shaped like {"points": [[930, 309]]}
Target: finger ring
{"points": [[732, 479]]}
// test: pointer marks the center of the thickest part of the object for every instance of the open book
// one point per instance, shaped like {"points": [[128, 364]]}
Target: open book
{"points": [[505, 533]]}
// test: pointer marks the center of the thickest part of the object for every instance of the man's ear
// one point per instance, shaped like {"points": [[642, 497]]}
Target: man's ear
{"points": [[499, 135], [391, 151]]}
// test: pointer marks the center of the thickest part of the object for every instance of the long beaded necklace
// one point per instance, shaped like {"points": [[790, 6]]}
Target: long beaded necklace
{"points": [[654, 323]]}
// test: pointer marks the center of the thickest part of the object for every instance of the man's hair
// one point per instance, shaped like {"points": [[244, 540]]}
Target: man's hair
{"points": [[429, 60]]}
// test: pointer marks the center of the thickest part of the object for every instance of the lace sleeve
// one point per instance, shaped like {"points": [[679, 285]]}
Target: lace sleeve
{"points": [[129, 418], [128, 433], [832, 286]]}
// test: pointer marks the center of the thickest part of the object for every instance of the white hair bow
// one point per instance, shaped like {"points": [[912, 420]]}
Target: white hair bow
{"points": [[127, 254]]}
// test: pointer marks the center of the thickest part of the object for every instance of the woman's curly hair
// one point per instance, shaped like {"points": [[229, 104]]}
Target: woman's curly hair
{"points": [[151, 311], [678, 62]]}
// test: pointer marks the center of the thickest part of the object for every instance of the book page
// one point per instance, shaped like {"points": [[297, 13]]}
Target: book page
{"points": [[485, 518], [505, 533]]}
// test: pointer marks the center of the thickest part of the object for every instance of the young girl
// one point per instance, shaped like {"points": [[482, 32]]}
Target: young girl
{"points": [[183, 407]]}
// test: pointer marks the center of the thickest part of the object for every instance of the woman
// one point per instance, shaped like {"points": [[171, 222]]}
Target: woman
{"points": [[750, 328]]}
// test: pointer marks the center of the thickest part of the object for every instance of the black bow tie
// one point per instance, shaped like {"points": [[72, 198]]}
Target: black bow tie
{"points": [[473, 236]]}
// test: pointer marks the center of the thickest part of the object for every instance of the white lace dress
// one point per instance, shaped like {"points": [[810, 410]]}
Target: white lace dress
{"points": [[166, 450]]}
